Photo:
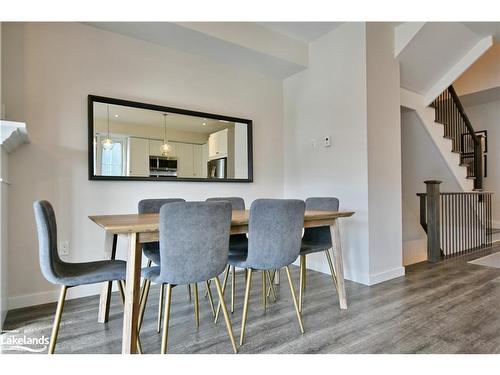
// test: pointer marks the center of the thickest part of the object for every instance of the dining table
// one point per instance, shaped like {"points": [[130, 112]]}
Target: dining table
{"points": [[144, 228]]}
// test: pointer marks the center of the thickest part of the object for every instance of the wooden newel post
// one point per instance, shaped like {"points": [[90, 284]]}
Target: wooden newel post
{"points": [[433, 221], [478, 163]]}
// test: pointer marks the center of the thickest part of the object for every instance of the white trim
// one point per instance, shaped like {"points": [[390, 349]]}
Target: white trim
{"points": [[50, 296], [456, 71], [386, 275]]}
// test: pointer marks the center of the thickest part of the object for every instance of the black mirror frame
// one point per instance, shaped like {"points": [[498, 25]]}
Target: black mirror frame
{"points": [[102, 99]]}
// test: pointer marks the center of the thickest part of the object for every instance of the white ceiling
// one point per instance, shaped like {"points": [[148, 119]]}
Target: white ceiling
{"points": [[139, 116], [435, 49], [485, 28], [304, 31], [481, 97], [228, 47]]}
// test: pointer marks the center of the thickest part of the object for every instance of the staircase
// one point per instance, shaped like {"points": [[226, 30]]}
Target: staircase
{"points": [[457, 222], [469, 144]]}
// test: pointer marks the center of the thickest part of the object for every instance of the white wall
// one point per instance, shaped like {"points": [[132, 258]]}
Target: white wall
{"points": [[421, 161], [329, 99], [50, 68], [384, 154], [3, 213], [340, 95], [487, 117], [3, 235]]}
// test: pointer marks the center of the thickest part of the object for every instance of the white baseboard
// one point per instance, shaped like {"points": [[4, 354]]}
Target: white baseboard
{"points": [[386, 275], [322, 266], [49, 296]]}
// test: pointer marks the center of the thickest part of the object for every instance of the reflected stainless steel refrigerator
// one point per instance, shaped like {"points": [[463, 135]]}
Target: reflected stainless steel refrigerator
{"points": [[217, 168]]}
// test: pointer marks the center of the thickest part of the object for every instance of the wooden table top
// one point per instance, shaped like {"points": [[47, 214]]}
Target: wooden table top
{"points": [[143, 223]]}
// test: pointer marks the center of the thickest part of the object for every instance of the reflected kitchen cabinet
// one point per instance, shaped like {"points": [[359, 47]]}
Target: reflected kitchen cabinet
{"points": [[184, 155], [138, 157], [190, 161], [217, 145], [154, 147]]}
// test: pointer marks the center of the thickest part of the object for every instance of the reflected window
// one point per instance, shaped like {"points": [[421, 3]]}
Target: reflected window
{"points": [[112, 162]]}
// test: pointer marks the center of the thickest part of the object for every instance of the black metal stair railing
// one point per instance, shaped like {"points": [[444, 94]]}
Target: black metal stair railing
{"points": [[455, 223], [450, 112]]}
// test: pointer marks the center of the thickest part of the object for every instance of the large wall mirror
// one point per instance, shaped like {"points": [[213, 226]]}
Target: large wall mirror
{"points": [[139, 141]]}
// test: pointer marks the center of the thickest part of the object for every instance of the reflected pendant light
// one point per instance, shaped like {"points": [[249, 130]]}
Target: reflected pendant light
{"points": [[165, 148], [107, 144]]}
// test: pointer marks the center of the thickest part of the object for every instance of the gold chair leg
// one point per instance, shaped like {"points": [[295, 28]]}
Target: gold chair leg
{"points": [[206, 290], [142, 309], [189, 291], [142, 305], [264, 297], [196, 306], [224, 283], [299, 317], [304, 269], [121, 289], [271, 286], [273, 275], [226, 314], [245, 304], [233, 287], [301, 280], [160, 308], [210, 298], [166, 318], [143, 287], [57, 319], [332, 269]]}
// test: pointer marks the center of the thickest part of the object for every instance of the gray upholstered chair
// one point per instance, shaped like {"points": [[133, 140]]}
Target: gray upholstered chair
{"points": [[152, 206], [274, 237], [65, 274], [152, 252], [238, 243], [316, 240], [192, 251]]}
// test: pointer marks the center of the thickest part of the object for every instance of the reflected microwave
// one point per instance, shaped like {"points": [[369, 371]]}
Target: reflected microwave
{"points": [[162, 163]]}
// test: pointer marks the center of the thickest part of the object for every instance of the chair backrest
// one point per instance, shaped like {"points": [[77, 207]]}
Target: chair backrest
{"points": [[237, 203], [152, 206], [275, 231], [194, 240], [320, 235], [50, 263]]}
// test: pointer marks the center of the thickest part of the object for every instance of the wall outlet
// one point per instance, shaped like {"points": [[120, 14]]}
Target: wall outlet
{"points": [[64, 248], [327, 141]]}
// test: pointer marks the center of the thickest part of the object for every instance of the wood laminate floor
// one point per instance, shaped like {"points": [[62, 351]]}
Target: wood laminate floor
{"points": [[450, 307]]}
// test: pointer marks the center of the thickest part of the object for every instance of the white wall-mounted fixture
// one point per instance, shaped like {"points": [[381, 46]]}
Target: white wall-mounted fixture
{"points": [[12, 135]]}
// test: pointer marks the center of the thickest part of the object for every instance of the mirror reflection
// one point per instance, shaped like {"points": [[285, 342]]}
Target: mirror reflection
{"points": [[153, 144]]}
